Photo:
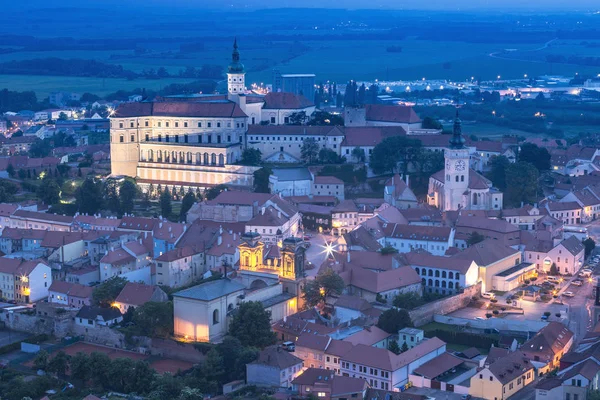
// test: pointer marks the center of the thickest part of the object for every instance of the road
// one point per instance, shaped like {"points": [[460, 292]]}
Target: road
{"points": [[317, 253]]}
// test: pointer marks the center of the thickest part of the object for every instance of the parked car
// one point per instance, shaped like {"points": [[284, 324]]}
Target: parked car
{"points": [[488, 295], [289, 346], [568, 294], [553, 279], [577, 283], [544, 318]]}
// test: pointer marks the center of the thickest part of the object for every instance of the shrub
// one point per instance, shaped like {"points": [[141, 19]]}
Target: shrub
{"points": [[463, 338], [547, 313], [503, 308], [493, 300], [488, 315], [508, 301], [496, 312], [557, 315]]}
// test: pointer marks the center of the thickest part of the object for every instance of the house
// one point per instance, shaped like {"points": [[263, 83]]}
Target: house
{"points": [[91, 316], [446, 372], [382, 115], [568, 256], [359, 141], [384, 369], [321, 351], [547, 347], [70, 294], [201, 312], [274, 368], [179, 267], [165, 236], [427, 216], [137, 294], [523, 217], [324, 384], [24, 281], [290, 181], [347, 308], [441, 274], [279, 106], [503, 378], [410, 336], [398, 194], [405, 238], [39, 220], [328, 186], [500, 230], [569, 212], [83, 275]]}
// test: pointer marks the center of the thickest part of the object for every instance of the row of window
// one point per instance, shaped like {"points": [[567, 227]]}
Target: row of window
{"points": [[285, 138], [185, 124], [159, 138], [437, 273], [365, 370]]}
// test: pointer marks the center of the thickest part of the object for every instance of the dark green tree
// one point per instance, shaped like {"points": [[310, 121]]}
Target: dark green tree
{"points": [[251, 157], [261, 180], [251, 325], [359, 154], [522, 184], [393, 346], [589, 245], [309, 150], [127, 194], [322, 118], [49, 191], [474, 238], [214, 191], [154, 318], [100, 363], [497, 174], [298, 118], [396, 153], [393, 320], [538, 156], [553, 270], [431, 123], [404, 347], [111, 195], [11, 171], [165, 203], [325, 284], [89, 196], [23, 174], [59, 364], [105, 293], [408, 301], [80, 367], [328, 156], [41, 360], [186, 203]]}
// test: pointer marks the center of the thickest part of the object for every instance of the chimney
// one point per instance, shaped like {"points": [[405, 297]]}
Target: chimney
{"points": [[169, 228], [234, 236], [159, 225], [278, 214], [262, 211], [140, 240], [408, 181], [219, 240], [220, 230]]}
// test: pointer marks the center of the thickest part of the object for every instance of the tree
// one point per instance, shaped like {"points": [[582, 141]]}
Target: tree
{"points": [[553, 269], [187, 393], [251, 157], [393, 347], [62, 116], [11, 171], [359, 154], [188, 201], [261, 180], [325, 284], [321, 118], [59, 364], [22, 174], [49, 191], [589, 245], [89, 196], [251, 324], [235, 357], [154, 318], [497, 174], [523, 187], [100, 363], [538, 156], [396, 152], [408, 301], [309, 150], [393, 320], [404, 347], [41, 360], [474, 238], [127, 194], [165, 203], [40, 148], [80, 367], [431, 123], [298, 118], [214, 367], [105, 293], [388, 250], [214, 191], [328, 156], [111, 195]]}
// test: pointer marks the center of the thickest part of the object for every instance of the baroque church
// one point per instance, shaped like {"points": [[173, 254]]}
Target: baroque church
{"points": [[194, 141], [458, 186]]}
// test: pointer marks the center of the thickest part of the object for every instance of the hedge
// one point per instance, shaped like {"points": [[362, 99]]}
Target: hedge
{"points": [[464, 338]]}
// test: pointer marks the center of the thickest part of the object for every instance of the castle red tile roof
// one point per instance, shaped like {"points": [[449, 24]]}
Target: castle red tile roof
{"points": [[370, 136], [214, 109], [391, 113], [285, 101]]}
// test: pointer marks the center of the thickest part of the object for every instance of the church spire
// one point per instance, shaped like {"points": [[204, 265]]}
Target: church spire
{"points": [[236, 67], [457, 141]]}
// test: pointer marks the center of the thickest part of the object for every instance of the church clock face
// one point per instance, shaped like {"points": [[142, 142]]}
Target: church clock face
{"points": [[460, 165]]}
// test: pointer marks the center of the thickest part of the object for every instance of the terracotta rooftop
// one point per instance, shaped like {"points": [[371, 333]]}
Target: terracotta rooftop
{"points": [[215, 109], [417, 232], [135, 294], [328, 180], [487, 252], [391, 113], [370, 136], [286, 101], [438, 365]]}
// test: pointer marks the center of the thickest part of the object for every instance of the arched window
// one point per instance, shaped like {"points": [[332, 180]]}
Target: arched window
{"points": [[456, 178], [430, 283], [437, 283], [221, 160], [443, 274], [451, 285], [437, 273], [424, 282], [151, 155], [456, 276], [174, 156], [205, 158], [213, 159], [181, 157], [198, 159], [189, 157], [159, 156], [417, 271], [443, 284], [474, 199], [215, 317], [450, 275], [430, 272]]}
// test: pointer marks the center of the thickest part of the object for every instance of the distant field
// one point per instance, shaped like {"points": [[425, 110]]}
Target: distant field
{"points": [[44, 85]]}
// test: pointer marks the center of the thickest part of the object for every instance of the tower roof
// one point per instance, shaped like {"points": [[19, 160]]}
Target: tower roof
{"points": [[236, 67], [457, 141]]}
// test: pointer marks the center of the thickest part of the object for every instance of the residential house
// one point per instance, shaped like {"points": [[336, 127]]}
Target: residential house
{"points": [[382, 115], [84, 275], [503, 378], [274, 368], [398, 194], [523, 217], [328, 186], [547, 347], [91, 316], [165, 236], [70, 294], [588, 199], [365, 138], [568, 256], [411, 336], [324, 384], [279, 106], [405, 238], [137, 294], [15, 240], [179, 267], [291, 182], [24, 281], [501, 231], [569, 212], [344, 217], [38, 220], [384, 369]]}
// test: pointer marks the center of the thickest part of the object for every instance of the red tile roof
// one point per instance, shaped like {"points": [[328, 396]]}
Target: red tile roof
{"points": [[416, 232], [370, 135], [328, 180], [391, 113], [135, 294], [117, 257], [286, 101], [225, 109]]}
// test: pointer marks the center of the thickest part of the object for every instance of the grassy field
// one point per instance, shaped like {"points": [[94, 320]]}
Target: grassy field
{"points": [[44, 85]]}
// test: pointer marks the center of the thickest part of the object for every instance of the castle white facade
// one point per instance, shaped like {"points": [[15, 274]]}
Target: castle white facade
{"points": [[457, 186]]}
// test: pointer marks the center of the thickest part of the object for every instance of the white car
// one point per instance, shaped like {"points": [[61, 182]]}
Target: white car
{"points": [[577, 283], [488, 295], [569, 294]]}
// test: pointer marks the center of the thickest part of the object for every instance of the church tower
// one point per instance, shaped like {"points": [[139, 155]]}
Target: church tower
{"points": [[456, 170], [235, 75]]}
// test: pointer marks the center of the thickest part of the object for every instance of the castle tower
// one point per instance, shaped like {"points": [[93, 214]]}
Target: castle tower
{"points": [[236, 75], [292, 258], [456, 170]]}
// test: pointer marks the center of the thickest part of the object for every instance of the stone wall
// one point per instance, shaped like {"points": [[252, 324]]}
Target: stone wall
{"points": [[57, 325], [177, 350], [424, 314]]}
